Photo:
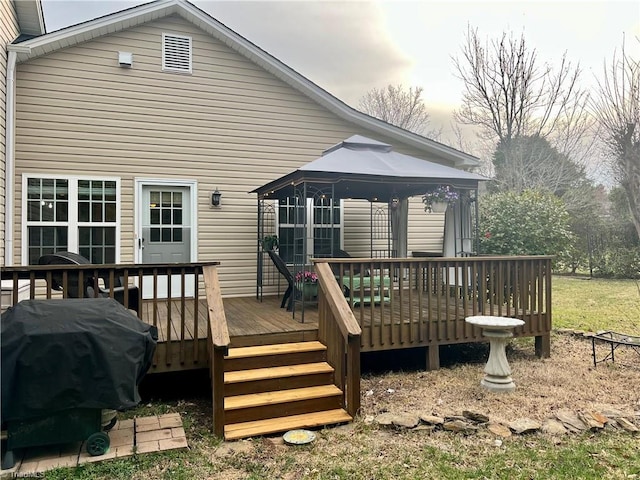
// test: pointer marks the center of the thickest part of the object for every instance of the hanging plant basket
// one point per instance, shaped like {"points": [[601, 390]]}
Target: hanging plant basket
{"points": [[439, 207], [438, 199]]}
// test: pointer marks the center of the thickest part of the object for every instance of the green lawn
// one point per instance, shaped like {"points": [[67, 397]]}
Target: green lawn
{"points": [[596, 304]]}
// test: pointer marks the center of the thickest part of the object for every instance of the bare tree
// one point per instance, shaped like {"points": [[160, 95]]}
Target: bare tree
{"points": [[510, 95], [617, 108], [400, 107]]}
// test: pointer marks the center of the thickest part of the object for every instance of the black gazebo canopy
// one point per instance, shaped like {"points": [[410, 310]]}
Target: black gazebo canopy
{"points": [[363, 168]]}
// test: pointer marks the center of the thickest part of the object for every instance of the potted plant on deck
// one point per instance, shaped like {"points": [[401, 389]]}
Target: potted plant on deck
{"points": [[438, 199], [307, 283]]}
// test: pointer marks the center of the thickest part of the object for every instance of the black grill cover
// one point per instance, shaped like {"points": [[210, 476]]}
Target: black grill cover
{"points": [[72, 353]]}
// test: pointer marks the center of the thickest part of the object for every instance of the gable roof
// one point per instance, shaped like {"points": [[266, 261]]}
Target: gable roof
{"points": [[149, 12], [360, 167]]}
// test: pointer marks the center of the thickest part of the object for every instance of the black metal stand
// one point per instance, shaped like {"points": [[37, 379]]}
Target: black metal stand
{"points": [[614, 339]]}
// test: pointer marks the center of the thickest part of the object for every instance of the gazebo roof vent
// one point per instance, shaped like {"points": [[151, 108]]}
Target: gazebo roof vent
{"points": [[358, 142]]}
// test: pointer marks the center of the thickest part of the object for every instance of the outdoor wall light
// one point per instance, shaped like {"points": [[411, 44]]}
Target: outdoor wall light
{"points": [[215, 198]]}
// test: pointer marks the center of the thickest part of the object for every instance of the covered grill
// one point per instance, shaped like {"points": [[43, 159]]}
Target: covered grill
{"points": [[65, 360]]}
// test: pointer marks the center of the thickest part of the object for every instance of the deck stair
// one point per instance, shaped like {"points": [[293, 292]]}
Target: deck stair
{"points": [[275, 388]]}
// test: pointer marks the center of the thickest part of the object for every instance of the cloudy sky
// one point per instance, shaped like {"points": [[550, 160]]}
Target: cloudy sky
{"points": [[349, 47]]}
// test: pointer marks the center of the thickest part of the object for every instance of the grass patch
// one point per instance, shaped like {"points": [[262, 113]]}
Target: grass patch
{"points": [[596, 304]]}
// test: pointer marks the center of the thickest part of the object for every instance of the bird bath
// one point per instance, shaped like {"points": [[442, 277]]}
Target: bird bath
{"points": [[498, 330]]}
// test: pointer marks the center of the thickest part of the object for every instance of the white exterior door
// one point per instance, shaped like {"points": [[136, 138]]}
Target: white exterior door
{"points": [[165, 233]]}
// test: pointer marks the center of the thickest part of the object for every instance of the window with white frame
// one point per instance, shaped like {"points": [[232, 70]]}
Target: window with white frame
{"points": [[72, 214], [176, 53], [325, 227]]}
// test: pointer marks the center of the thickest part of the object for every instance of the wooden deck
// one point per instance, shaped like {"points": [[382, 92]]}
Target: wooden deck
{"points": [[250, 322], [426, 306], [396, 324]]}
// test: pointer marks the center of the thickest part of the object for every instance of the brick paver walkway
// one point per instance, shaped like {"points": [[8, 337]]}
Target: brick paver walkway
{"points": [[139, 435]]}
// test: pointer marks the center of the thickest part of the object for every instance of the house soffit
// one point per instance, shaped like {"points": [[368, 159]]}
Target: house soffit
{"points": [[30, 17], [149, 12]]}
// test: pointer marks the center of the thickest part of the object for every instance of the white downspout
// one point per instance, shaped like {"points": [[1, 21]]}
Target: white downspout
{"points": [[10, 149]]}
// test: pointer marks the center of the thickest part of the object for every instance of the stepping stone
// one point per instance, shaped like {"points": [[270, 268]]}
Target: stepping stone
{"points": [[499, 429], [524, 425], [431, 419], [476, 417], [571, 421], [553, 427]]}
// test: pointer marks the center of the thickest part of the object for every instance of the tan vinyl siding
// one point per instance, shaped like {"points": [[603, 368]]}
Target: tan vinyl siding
{"points": [[229, 125], [8, 32], [426, 230]]}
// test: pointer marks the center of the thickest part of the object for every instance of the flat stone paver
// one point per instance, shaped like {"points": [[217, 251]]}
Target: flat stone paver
{"points": [[142, 435]]}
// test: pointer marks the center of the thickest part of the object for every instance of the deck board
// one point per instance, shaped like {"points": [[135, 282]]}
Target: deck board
{"points": [[246, 316]]}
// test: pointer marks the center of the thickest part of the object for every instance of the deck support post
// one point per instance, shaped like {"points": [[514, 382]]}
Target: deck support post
{"points": [[433, 357], [353, 375], [217, 390], [543, 346]]}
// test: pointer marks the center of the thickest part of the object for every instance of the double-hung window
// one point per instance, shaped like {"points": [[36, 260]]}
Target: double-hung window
{"points": [[324, 222], [77, 214]]}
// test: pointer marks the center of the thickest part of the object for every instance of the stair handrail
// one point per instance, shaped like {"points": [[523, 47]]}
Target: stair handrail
{"points": [[334, 311], [217, 344]]}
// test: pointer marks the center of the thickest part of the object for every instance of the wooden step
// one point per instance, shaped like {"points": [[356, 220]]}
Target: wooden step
{"points": [[282, 424], [286, 377], [247, 358], [258, 406]]}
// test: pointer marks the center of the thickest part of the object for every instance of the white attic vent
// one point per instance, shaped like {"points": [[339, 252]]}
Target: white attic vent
{"points": [[125, 59], [176, 53]]}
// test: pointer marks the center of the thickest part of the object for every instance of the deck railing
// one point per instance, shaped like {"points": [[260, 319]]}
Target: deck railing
{"points": [[339, 331], [176, 316], [217, 345], [410, 302]]}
